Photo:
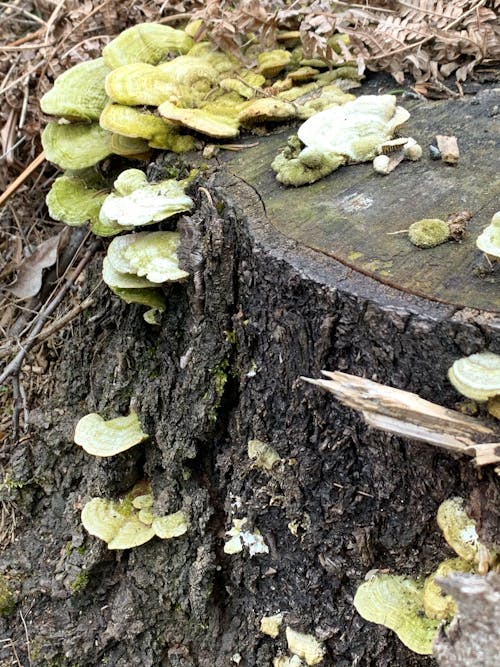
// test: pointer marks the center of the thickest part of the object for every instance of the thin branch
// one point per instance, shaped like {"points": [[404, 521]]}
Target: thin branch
{"points": [[22, 177], [14, 366]]}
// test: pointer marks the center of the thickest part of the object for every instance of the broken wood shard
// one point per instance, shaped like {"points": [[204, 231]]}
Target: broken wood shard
{"points": [[406, 414], [448, 147]]}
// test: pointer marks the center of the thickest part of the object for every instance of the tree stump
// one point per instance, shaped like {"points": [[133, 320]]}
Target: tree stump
{"points": [[286, 283]]}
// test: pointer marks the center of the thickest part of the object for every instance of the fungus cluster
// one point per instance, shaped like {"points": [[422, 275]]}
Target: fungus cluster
{"points": [[130, 521], [415, 609], [241, 538], [356, 131], [155, 88]]}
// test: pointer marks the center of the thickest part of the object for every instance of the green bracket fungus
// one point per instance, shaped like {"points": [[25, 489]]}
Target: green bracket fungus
{"points": [[459, 531], [489, 239], [263, 454], [108, 438], [145, 43], [205, 121], [116, 279], [139, 84], [477, 376], [78, 94], [145, 204], [153, 298], [74, 201], [267, 109], [139, 124], [435, 603], [172, 525], [415, 609], [429, 232], [150, 254], [75, 145], [305, 646], [272, 62], [397, 602], [130, 522], [347, 133]]}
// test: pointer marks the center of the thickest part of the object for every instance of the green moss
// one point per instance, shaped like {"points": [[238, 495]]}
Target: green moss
{"points": [[428, 232], [7, 601], [80, 582], [231, 337]]}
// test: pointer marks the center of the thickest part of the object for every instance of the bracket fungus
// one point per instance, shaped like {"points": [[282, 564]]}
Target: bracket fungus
{"points": [[75, 145], [305, 646], [145, 43], [75, 199], [130, 521], [347, 133], [144, 203], [397, 602], [477, 376], [270, 625], [415, 609], [78, 94], [108, 438], [489, 239]]}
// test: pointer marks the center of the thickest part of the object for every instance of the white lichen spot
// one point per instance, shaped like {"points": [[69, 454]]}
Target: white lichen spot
{"points": [[240, 538]]}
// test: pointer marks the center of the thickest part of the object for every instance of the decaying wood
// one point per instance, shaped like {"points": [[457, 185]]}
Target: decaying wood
{"points": [[473, 638], [406, 414], [448, 147]]}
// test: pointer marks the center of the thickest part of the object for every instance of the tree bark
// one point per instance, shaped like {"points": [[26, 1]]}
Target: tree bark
{"points": [[222, 369]]}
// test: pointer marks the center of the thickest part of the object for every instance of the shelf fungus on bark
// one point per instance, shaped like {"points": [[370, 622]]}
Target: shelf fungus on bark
{"points": [[270, 625], [75, 145], [343, 134], [459, 531], [240, 538], [429, 232], [218, 123], [108, 438], [145, 203], [272, 62], [146, 43], [436, 604], [78, 94], [263, 454], [489, 239], [76, 198], [477, 376], [414, 609], [130, 521], [154, 255], [287, 661], [142, 124], [305, 646], [396, 601]]}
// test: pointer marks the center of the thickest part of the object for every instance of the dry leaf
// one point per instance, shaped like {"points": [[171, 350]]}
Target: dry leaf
{"points": [[29, 277]]}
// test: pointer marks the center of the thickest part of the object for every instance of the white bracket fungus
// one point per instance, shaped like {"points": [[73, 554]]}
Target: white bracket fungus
{"points": [[489, 239], [477, 376]]}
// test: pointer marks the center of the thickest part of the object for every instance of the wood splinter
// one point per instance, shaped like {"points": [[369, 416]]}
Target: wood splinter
{"points": [[406, 414]]}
